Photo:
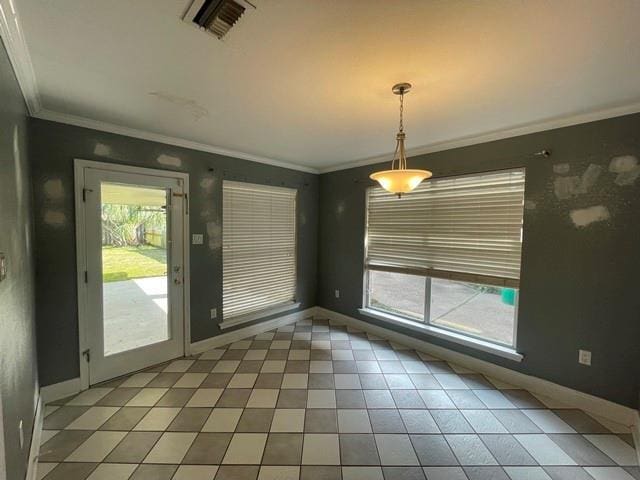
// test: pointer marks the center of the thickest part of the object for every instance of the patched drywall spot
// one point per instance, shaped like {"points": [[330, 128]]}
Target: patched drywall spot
{"points": [[566, 187], [530, 205], [561, 168], [586, 216], [102, 150], [628, 178], [169, 160], [589, 177], [207, 183], [572, 186], [55, 218], [623, 163], [53, 189], [191, 106], [627, 168], [214, 235]]}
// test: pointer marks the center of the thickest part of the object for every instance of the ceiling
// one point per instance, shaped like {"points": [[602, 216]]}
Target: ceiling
{"points": [[308, 82]]}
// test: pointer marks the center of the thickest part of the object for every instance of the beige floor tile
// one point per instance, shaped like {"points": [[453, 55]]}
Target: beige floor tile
{"points": [[157, 419], [295, 380], [205, 397], [93, 418], [96, 447], [222, 420], [196, 472], [263, 398], [245, 449], [178, 366], [321, 449], [89, 397], [147, 397], [138, 380], [321, 399], [243, 380], [171, 448], [288, 420], [190, 380], [113, 471], [279, 473]]}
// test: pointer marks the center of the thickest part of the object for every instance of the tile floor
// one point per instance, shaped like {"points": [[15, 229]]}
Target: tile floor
{"points": [[320, 401]]}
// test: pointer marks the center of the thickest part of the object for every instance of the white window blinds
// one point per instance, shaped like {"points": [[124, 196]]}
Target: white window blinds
{"points": [[467, 228], [258, 247]]}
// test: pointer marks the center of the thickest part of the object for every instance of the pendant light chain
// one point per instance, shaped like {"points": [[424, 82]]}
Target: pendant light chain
{"points": [[401, 111], [402, 159]]}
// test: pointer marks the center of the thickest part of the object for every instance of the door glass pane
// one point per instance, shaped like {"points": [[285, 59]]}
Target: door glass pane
{"points": [[397, 293], [482, 311], [134, 266]]}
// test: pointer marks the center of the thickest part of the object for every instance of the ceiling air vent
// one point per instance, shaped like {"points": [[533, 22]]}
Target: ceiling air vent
{"points": [[216, 16]]}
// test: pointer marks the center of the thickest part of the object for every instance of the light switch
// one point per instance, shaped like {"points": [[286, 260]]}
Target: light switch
{"points": [[197, 239], [584, 357]]}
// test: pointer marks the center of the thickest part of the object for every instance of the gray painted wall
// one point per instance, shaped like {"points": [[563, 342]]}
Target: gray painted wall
{"points": [[578, 284], [18, 375], [53, 149]]}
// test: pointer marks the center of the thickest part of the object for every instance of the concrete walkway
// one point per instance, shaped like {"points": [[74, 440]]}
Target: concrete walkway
{"points": [[135, 313]]}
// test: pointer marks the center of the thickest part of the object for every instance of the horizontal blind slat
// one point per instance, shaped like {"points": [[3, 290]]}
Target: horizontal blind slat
{"points": [[470, 224], [258, 247]]}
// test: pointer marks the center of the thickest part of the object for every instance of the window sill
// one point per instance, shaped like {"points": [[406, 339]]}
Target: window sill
{"points": [[499, 350], [250, 317]]}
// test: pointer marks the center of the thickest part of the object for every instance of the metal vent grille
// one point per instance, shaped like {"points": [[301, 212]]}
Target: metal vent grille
{"points": [[218, 16]]}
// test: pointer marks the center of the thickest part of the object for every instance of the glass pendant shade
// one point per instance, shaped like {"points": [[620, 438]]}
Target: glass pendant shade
{"points": [[400, 179]]}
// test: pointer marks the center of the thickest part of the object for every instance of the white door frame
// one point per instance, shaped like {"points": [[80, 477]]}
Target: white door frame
{"points": [[81, 254]]}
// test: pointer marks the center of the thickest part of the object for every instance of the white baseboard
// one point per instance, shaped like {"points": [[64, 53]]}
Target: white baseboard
{"points": [[36, 435], [589, 403], [54, 392], [241, 333]]}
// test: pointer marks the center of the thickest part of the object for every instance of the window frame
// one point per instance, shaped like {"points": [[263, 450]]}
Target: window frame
{"points": [[238, 319], [427, 310], [426, 323]]}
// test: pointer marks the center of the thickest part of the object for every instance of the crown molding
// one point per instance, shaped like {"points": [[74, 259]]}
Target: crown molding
{"points": [[14, 42], [79, 121], [501, 134], [16, 46]]}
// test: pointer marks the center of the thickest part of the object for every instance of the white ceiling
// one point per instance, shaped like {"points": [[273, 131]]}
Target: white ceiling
{"points": [[308, 81]]}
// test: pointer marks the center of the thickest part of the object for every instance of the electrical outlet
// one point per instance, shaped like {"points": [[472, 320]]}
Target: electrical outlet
{"points": [[337, 293], [214, 313], [21, 433], [584, 357], [197, 239]]}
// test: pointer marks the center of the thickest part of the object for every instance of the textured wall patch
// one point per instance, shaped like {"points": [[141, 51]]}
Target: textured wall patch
{"points": [[169, 160], [561, 168], [623, 163], [586, 216]]}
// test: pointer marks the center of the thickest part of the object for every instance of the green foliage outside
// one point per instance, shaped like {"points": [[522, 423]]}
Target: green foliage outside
{"points": [[132, 237], [121, 224], [127, 263]]}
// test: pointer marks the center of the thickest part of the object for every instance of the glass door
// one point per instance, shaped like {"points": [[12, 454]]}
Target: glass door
{"points": [[134, 248]]}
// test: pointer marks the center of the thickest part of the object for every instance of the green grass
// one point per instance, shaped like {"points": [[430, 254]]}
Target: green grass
{"points": [[127, 263]]}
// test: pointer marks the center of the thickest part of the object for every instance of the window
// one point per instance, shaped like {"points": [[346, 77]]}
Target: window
{"points": [[258, 249], [448, 254]]}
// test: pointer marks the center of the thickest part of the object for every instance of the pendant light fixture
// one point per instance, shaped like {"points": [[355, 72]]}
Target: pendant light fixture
{"points": [[400, 179]]}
